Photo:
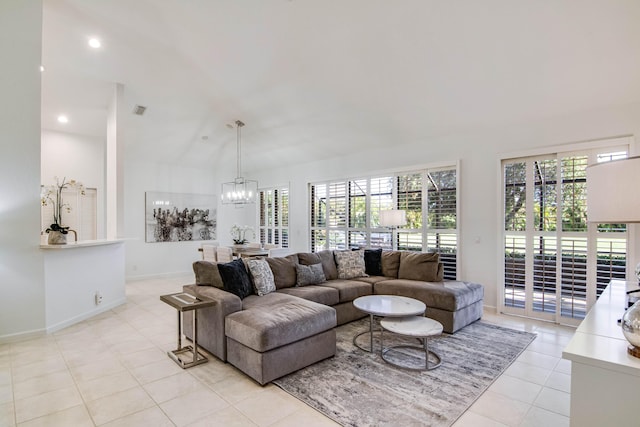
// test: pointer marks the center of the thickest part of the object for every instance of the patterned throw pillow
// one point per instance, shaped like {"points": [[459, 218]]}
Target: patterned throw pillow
{"points": [[309, 274], [350, 264], [263, 280]]}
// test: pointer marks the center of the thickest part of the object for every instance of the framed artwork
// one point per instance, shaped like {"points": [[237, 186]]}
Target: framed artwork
{"points": [[177, 217]]}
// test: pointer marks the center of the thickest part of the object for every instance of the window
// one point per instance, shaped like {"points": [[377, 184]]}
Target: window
{"points": [[274, 216], [556, 263], [345, 214], [81, 216]]}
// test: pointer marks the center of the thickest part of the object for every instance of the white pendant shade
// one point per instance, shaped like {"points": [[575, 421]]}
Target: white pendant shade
{"points": [[613, 191]]}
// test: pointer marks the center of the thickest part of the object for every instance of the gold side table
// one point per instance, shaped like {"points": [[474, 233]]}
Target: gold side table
{"points": [[184, 302]]}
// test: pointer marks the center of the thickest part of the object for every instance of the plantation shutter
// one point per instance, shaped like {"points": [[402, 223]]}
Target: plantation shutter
{"points": [[442, 205], [274, 216]]}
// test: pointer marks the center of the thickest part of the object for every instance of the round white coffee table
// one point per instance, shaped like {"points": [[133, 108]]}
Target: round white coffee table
{"points": [[416, 327], [385, 306]]}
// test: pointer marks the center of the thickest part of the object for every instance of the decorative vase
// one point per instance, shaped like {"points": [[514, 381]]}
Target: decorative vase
{"points": [[631, 328], [57, 238]]}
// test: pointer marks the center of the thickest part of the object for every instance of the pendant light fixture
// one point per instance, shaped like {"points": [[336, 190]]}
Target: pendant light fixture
{"points": [[240, 191]]}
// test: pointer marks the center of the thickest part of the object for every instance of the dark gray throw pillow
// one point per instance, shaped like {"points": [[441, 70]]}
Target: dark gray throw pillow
{"points": [[373, 262], [309, 274], [236, 278]]}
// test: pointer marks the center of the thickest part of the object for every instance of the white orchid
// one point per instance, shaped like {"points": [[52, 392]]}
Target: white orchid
{"points": [[53, 194], [239, 234]]}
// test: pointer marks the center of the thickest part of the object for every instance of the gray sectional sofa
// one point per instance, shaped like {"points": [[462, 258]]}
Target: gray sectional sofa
{"points": [[290, 325]]}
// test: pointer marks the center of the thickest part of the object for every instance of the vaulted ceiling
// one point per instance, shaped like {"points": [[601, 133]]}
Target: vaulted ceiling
{"points": [[316, 78]]}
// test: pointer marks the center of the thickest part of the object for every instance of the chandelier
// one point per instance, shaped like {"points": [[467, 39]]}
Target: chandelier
{"points": [[240, 191]]}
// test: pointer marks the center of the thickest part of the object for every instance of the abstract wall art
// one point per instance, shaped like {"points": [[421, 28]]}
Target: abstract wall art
{"points": [[177, 217]]}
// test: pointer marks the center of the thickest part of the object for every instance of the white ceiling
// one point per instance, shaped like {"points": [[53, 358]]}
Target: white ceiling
{"points": [[327, 76]]}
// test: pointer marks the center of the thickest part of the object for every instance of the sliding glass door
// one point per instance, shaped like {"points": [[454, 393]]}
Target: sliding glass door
{"points": [[556, 263]]}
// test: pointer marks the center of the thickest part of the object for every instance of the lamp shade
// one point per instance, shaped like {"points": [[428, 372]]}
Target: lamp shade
{"points": [[393, 218], [613, 191]]}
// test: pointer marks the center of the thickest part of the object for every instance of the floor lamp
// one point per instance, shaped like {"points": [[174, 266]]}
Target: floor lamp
{"points": [[612, 198], [393, 219]]}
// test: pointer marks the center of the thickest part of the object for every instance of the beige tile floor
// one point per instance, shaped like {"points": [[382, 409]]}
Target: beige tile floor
{"points": [[112, 370]]}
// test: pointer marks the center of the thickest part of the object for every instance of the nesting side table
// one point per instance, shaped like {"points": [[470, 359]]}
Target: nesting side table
{"points": [[415, 327], [184, 302]]}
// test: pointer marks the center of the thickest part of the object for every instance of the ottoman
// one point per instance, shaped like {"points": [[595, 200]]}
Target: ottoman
{"points": [[271, 340]]}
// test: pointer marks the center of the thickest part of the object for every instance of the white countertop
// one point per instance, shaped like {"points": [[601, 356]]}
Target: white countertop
{"points": [[83, 244], [599, 341]]}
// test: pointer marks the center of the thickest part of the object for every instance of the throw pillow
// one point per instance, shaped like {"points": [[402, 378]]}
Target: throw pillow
{"points": [[390, 263], [419, 266], [235, 278], [284, 272], [263, 280], [207, 274], [373, 262], [309, 274], [350, 264], [323, 257]]}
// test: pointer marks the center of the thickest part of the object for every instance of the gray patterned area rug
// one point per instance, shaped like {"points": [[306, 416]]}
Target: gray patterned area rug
{"points": [[356, 388]]}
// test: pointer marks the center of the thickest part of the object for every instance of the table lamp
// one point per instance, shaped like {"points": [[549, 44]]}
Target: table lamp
{"points": [[393, 218], [612, 198]]}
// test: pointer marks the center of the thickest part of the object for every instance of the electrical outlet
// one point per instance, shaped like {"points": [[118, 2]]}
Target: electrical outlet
{"points": [[98, 298]]}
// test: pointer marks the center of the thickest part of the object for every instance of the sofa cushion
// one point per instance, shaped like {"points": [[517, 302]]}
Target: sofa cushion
{"points": [[373, 279], [236, 278], [350, 264], [269, 300], [419, 266], [323, 257], [309, 274], [328, 264], [348, 290], [390, 263], [316, 293], [268, 327], [207, 274], [261, 276], [449, 296], [373, 262], [284, 272]]}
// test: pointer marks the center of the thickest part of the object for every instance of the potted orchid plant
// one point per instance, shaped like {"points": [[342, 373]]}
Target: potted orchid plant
{"points": [[239, 234], [52, 195]]}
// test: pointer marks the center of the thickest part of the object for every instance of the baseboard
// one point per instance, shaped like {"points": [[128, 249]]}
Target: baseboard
{"points": [[84, 316], [157, 276], [490, 309], [22, 336]]}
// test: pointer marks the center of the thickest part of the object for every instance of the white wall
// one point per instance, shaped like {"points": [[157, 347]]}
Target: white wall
{"points": [[76, 157], [21, 265], [479, 151], [153, 259]]}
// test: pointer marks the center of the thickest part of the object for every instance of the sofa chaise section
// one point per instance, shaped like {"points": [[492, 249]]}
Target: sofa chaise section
{"points": [[274, 336]]}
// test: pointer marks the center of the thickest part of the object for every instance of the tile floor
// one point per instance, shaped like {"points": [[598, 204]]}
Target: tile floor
{"points": [[112, 370]]}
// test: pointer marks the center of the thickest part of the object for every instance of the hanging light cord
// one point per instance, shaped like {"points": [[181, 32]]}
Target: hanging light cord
{"points": [[239, 125]]}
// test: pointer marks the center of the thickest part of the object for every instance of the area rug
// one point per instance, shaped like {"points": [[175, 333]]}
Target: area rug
{"points": [[356, 388]]}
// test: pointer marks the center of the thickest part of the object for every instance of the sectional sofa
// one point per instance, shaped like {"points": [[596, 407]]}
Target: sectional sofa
{"points": [[274, 316]]}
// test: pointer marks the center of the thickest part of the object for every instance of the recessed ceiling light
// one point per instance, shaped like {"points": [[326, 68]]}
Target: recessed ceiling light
{"points": [[94, 43], [41, 68], [63, 119]]}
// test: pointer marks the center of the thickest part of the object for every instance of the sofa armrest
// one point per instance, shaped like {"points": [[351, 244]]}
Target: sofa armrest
{"points": [[211, 320]]}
